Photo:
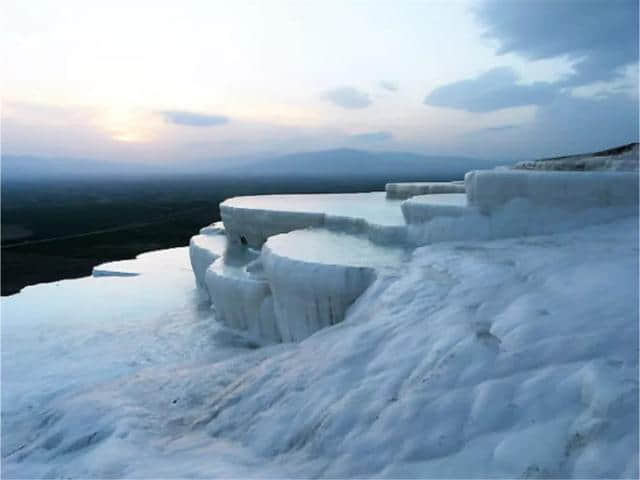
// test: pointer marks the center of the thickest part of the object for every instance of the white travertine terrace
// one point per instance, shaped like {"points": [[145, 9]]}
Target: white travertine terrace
{"points": [[406, 190], [484, 357], [320, 252], [143, 263], [515, 358], [252, 220], [422, 208], [203, 251], [624, 158], [240, 295], [213, 229], [315, 276], [490, 189]]}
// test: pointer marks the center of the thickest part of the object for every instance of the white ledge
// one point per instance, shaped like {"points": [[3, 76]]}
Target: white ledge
{"points": [[489, 189], [252, 220], [316, 275], [406, 190]]}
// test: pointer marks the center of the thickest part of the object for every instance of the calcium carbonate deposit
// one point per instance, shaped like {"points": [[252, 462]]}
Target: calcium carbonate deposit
{"points": [[486, 330]]}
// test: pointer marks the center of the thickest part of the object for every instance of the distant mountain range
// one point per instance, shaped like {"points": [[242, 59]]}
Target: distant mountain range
{"points": [[341, 163], [24, 167], [348, 162]]}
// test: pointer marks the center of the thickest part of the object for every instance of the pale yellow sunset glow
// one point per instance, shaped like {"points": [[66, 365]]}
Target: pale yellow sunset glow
{"points": [[273, 76]]}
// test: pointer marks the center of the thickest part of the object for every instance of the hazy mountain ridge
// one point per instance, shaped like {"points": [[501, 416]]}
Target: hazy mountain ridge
{"points": [[20, 167], [345, 162], [327, 163]]}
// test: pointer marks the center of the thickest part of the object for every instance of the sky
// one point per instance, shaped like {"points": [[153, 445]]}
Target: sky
{"points": [[168, 81]]}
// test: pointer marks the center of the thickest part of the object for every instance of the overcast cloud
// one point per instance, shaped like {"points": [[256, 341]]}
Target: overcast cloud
{"points": [[244, 80], [347, 97], [390, 86], [599, 39], [493, 90], [372, 137], [600, 36], [192, 119]]}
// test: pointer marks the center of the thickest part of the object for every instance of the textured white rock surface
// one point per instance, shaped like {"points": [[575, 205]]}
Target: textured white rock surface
{"points": [[203, 251], [241, 296], [99, 373], [215, 228], [311, 277], [316, 275], [510, 203], [423, 208], [406, 190], [304, 282], [478, 361], [253, 219], [513, 358], [624, 158], [150, 262], [517, 218], [490, 189], [334, 248]]}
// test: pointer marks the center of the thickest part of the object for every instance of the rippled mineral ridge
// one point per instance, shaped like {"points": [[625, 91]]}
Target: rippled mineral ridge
{"points": [[509, 358]]}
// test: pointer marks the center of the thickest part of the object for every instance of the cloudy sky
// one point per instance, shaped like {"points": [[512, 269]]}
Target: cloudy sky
{"points": [[164, 81]]}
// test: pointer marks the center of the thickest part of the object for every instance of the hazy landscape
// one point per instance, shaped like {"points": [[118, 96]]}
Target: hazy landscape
{"points": [[320, 239], [59, 220]]}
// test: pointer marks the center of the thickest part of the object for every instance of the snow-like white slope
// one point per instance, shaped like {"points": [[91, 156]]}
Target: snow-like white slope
{"points": [[97, 374], [253, 219], [512, 358], [406, 190], [150, 262]]}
